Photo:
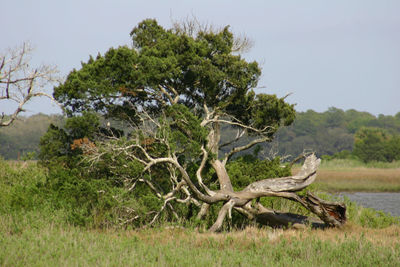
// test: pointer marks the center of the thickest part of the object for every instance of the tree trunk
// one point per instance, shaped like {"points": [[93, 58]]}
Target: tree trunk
{"points": [[332, 214], [223, 177]]}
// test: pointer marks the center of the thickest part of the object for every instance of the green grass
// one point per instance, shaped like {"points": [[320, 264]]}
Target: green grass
{"points": [[39, 242], [34, 232]]}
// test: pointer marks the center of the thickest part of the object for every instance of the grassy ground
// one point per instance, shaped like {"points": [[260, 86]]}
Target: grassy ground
{"points": [[36, 241], [35, 233], [354, 176]]}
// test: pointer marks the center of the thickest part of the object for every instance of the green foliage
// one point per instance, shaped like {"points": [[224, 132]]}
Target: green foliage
{"points": [[185, 131], [95, 84], [83, 126], [200, 68], [56, 145], [271, 111], [331, 131], [80, 198], [77, 199], [247, 169], [170, 76], [344, 154], [20, 186], [374, 144]]}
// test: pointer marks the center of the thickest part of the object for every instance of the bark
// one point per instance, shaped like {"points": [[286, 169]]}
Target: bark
{"points": [[284, 219], [331, 214], [203, 211], [223, 177], [222, 214], [213, 145]]}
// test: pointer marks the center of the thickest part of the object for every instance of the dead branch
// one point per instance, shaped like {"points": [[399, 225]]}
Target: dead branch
{"points": [[19, 83]]}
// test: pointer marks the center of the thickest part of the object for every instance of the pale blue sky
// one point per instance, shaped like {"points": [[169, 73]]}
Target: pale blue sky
{"points": [[342, 53]]}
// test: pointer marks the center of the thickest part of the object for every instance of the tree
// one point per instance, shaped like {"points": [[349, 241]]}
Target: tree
{"points": [[19, 82], [174, 90], [375, 144]]}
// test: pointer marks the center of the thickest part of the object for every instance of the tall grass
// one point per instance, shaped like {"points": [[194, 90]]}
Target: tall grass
{"points": [[34, 232], [339, 175], [38, 244], [353, 163], [359, 179]]}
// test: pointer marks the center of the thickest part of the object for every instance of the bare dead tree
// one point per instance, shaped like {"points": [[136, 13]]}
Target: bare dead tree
{"points": [[19, 82]]}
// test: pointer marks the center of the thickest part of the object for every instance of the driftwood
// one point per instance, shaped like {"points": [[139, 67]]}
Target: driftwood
{"points": [[330, 213]]}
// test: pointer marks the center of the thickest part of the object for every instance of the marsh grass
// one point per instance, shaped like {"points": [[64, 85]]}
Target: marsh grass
{"points": [[352, 163], [340, 175], [359, 179], [43, 243], [35, 233]]}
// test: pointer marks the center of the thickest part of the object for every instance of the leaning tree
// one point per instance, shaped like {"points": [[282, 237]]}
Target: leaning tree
{"points": [[173, 92]]}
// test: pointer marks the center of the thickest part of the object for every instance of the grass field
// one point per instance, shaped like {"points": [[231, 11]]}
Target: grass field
{"points": [[34, 232], [359, 179], [354, 176], [37, 241]]}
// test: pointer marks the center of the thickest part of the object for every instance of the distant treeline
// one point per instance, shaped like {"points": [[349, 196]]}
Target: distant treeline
{"points": [[332, 131], [325, 133], [23, 136]]}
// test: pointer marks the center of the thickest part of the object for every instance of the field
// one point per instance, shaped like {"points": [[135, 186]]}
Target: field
{"points": [[353, 176], [35, 233], [35, 241]]}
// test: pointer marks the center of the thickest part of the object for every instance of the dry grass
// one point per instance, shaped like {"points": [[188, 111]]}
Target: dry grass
{"points": [[388, 237], [253, 236], [71, 246], [358, 179]]}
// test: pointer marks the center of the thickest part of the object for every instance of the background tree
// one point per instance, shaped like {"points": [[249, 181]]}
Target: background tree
{"points": [[19, 82], [374, 144], [173, 91]]}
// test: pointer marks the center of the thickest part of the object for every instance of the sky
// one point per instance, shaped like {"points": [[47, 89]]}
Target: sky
{"points": [[342, 53]]}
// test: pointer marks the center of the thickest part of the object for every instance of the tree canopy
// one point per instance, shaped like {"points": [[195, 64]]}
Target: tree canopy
{"points": [[166, 67]]}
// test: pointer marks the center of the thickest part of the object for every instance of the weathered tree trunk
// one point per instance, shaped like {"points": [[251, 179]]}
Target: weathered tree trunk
{"points": [[223, 177], [331, 213]]}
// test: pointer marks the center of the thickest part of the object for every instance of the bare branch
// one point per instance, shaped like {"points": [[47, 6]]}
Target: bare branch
{"points": [[191, 26], [247, 127], [200, 169], [240, 134], [19, 83], [159, 212], [244, 147]]}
